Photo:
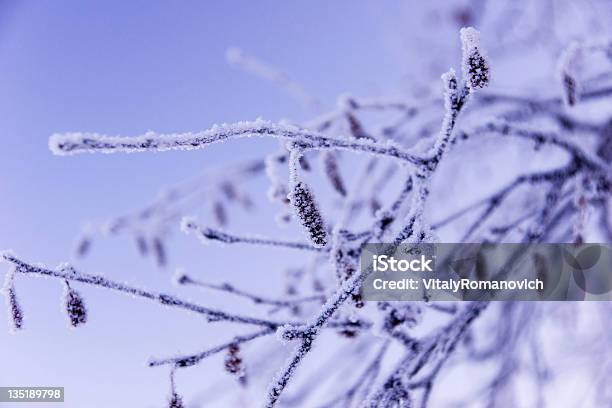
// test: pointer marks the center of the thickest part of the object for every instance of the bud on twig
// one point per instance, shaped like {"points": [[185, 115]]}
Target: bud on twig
{"points": [[160, 252], [355, 127], [233, 363], [475, 66], [330, 164], [14, 309], [75, 307], [141, 244], [305, 206], [83, 246], [304, 164], [568, 66], [307, 211], [176, 401], [219, 213]]}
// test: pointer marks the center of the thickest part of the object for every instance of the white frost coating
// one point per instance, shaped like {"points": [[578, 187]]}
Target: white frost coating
{"points": [[26, 268], [188, 224], [206, 235], [307, 334], [73, 143], [179, 277], [474, 65], [277, 192], [15, 313], [455, 99], [449, 82], [70, 143], [6, 254]]}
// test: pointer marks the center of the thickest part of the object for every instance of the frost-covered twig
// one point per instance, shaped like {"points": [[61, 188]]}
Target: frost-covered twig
{"points": [[72, 143], [257, 299], [70, 274], [541, 138], [306, 335], [189, 225], [193, 359], [15, 313], [366, 377], [304, 204], [149, 225], [438, 348], [572, 61]]}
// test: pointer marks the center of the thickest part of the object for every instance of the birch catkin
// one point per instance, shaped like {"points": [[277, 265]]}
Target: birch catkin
{"points": [[308, 213], [330, 165], [14, 309], [475, 65], [75, 307], [305, 206]]}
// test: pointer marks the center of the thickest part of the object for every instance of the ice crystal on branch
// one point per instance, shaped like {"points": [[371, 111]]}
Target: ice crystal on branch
{"points": [[474, 65]]}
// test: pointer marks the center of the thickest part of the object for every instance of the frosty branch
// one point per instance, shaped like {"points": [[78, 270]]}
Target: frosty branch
{"points": [[322, 294]]}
